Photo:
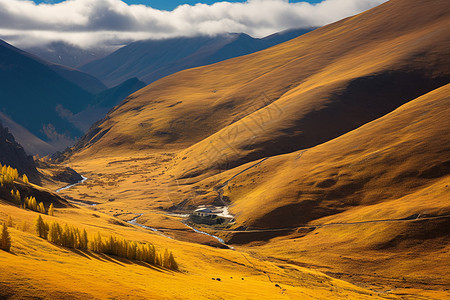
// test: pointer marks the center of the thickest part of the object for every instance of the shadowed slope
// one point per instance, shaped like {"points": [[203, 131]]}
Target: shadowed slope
{"points": [[28, 86], [12, 154], [54, 104], [31, 143], [292, 96], [378, 163]]}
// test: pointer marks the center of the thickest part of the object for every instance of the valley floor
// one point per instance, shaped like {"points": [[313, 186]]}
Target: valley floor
{"points": [[364, 260], [38, 269]]}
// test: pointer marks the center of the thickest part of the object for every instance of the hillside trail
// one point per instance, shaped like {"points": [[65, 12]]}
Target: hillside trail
{"points": [[219, 188], [413, 218]]}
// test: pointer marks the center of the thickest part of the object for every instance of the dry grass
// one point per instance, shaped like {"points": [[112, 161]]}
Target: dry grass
{"points": [[328, 92], [36, 268]]}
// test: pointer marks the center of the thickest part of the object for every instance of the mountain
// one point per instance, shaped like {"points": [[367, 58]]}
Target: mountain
{"points": [[30, 142], [299, 95], [330, 151], [12, 154], [371, 205], [42, 98], [72, 56], [399, 154], [153, 59], [104, 102], [83, 80], [38, 98], [289, 97]]}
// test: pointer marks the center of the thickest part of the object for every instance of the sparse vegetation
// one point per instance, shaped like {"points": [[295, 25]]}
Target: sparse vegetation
{"points": [[72, 237], [7, 177], [5, 239], [9, 223], [51, 210], [41, 227]]}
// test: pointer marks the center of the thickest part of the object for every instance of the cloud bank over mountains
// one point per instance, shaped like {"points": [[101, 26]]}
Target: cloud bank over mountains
{"points": [[88, 23]]}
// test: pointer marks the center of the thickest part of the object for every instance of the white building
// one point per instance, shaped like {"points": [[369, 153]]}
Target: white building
{"points": [[204, 212]]}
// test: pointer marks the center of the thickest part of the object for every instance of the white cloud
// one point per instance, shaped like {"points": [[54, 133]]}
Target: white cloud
{"points": [[105, 22]]}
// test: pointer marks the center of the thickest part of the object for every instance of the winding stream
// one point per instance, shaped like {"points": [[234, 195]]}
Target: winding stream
{"points": [[213, 236], [134, 222], [83, 179]]}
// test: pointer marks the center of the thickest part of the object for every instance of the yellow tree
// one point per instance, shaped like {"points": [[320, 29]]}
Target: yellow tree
{"points": [[172, 263], [17, 197], [4, 170], [76, 238], [25, 179], [66, 236], [41, 208], [15, 174], [41, 227], [10, 222], [97, 245], [152, 254], [31, 203], [165, 262], [84, 240], [131, 250], [6, 239], [51, 210], [54, 234]]}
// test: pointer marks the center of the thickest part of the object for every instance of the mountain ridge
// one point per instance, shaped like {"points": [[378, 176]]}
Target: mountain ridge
{"points": [[299, 69], [56, 92], [175, 54]]}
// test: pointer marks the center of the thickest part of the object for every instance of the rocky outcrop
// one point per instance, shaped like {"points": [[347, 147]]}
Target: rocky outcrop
{"points": [[13, 154]]}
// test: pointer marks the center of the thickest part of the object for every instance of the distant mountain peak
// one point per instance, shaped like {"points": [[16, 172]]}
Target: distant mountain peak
{"points": [[150, 60]]}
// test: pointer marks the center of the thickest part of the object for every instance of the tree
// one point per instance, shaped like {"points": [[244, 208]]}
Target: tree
{"points": [[41, 208], [55, 233], [10, 222], [67, 237], [84, 240], [131, 250], [30, 202], [25, 179], [172, 263], [97, 245], [15, 196], [6, 239], [165, 262], [50, 210], [158, 259], [41, 227]]}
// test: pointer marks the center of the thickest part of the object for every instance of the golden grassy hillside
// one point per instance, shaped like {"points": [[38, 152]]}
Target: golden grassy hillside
{"points": [[292, 96], [354, 192], [331, 150], [367, 169], [38, 269]]}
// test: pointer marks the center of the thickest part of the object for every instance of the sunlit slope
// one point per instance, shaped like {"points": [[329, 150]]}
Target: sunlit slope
{"points": [[291, 96], [370, 171], [37, 268], [402, 254]]}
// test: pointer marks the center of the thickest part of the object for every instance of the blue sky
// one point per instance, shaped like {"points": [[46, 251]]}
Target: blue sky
{"points": [[171, 4]]}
